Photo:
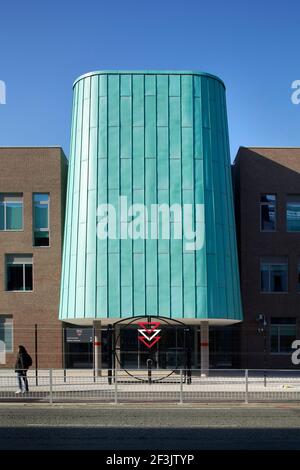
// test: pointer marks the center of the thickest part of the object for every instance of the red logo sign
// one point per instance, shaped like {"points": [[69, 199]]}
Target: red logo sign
{"points": [[148, 333]]}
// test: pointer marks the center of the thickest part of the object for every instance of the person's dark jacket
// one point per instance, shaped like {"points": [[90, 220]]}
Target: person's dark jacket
{"points": [[22, 362]]}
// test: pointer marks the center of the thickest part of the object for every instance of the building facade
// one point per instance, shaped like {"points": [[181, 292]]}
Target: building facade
{"points": [[142, 140], [150, 229], [267, 195], [32, 206]]}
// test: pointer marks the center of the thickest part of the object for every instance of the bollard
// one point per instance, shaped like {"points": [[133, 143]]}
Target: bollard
{"points": [[149, 366], [181, 387], [116, 387]]}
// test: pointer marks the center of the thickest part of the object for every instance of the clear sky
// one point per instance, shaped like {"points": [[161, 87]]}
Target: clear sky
{"points": [[252, 45]]}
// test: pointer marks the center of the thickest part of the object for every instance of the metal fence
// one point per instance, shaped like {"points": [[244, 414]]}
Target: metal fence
{"points": [[179, 386]]}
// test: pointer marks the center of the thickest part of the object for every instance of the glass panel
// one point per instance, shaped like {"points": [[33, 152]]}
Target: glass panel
{"points": [[14, 216], [283, 321], [293, 216], [268, 198], [274, 339], [287, 336], [278, 278], [264, 274], [6, 197], [19, 259], [15, 277], [1, 216], [41, 238], [41, 198], [6, 334], [268, 217], [28, 277], [41, 216]]}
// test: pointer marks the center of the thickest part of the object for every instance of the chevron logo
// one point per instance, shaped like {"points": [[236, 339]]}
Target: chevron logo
{"points": [[148, 333]]}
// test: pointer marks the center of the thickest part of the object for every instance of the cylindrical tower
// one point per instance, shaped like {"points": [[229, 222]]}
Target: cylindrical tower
{"points": [[150, 224]]}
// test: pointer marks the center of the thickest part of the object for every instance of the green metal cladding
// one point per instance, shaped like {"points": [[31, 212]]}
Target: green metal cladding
{"points": [[155, 137]]}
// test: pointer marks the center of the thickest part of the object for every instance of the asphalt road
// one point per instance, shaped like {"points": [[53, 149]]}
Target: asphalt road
{"points": [[124, 427]]}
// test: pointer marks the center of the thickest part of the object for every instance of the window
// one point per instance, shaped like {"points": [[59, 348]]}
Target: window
{"points": [[6, 332], [41, 219], [293, 213], [11, 211], [268, 212], [19, 273], [274, 275], [283, 333]]}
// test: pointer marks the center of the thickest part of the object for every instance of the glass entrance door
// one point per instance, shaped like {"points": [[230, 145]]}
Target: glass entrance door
{"points": [[168, 353]]}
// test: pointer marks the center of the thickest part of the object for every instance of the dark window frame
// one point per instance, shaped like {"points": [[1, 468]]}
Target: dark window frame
{"points": [[25, 267], [268, 203], [45, 230]]}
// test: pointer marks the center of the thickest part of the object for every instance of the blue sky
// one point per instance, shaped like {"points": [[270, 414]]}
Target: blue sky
{"points": [[252, 45]]}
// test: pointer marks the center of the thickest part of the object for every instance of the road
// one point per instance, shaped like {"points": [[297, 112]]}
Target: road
{"points": [[171, 427]]}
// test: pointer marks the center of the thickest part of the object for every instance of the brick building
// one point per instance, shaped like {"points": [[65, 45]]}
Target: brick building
{"points": [[267, 196], [32, 204], [32, 208]]}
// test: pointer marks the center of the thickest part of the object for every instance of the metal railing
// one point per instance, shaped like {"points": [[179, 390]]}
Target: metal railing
{"points": [[157, 385]]}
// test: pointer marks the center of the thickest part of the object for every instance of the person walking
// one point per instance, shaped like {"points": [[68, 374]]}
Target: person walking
{"points": [[23, 363]]}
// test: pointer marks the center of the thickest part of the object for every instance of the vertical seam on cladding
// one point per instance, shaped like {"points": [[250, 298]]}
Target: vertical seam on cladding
{"points": [[144, 196], [229, 261], [82, 101], [87, 199], [156, 200], [181, 196], [169, 197], [107, 174], [71, 199], [132, 253], [119, 191], [194, 196], [96, 196]]}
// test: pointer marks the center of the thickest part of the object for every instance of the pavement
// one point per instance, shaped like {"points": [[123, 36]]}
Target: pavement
{"points": [[148, 426]]}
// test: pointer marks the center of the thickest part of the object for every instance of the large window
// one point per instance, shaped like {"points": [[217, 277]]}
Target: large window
{"points": [[11, 211], [19, 273], [41, 219], [293, 213], [274, 274], [268, 212], [283, 333], [6, 332]]}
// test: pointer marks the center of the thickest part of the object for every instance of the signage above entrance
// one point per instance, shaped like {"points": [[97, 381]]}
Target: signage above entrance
{"points": [[148, 333], [79, 335]]}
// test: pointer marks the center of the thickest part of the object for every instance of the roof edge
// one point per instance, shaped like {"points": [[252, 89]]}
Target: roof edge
{"points": [[148, 72]]}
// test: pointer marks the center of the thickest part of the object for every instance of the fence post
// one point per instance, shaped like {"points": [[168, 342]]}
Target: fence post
{"points": [[116, 387], [265, 378], [36, 353], [246, 385], [181, 388], [51, 386]]}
